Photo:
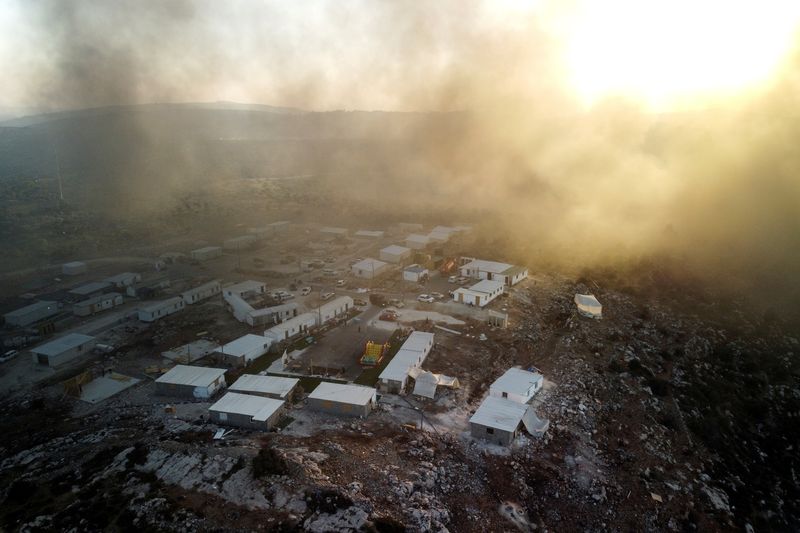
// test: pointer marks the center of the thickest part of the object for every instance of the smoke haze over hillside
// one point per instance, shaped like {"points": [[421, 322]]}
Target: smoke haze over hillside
{"points": [[711, 175]]}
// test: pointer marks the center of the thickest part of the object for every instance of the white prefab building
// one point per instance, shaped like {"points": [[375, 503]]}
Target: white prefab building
{"points": [[415, 241], [64, 349], [367, 234], [246, 289], [191, 381], [206, 253], [342, 399], [439, 236], [271, 315], [369, 268], [493, 270], [89, 289], [245, 349], [517, 385], [276, 387], [291, 328], [32, 313], [409, 226], [479, 294], [588, 305], [395, 254], [97, 304], [414, 273], [158, 310], [204, 291], [246, 411], [240, 243], [335, 308], [410, 356], [126, 279], [74, 268], [497, 420]]}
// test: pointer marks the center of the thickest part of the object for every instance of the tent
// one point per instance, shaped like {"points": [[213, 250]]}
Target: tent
{"points": [[535, 425], [588, 305], [425, 382]]}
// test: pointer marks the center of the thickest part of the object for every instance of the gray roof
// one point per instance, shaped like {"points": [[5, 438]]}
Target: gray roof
{"points": [[29, 308], [279, 386], [62, 344], [499, 413], [196, 376], [89, 288], [257, 407], [342, 393]]}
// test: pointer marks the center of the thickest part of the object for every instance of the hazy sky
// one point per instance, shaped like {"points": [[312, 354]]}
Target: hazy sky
{"points": [[374, 54]]}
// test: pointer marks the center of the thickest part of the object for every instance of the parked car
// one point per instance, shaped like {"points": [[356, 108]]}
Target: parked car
{"points": [[397, 302], [340, 283], [11, 354], [452, 279], [462, 280], [437, 295], [326, 296], [359, 302], [329, 272], [286, 296], [426, 298], [389, 315], [305, 291]]}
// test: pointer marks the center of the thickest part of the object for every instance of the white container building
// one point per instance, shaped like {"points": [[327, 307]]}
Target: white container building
{"points": [[97, 304], [126, 279], [395, 254], [368, 234], [480, 294], [191, 381], [246, 411], [412, 353], [333, 309], [369, 268], [342, 399], [202, 292], [299, 325], [277, 387], [517, 385], [415, 273], [64, 349], [32, 313], [74, 268], [415, 241], [158, 310], [493, 270], [245, 349]]}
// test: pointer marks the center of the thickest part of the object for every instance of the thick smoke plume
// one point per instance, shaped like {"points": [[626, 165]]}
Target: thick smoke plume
{"points": [[718, 187]]}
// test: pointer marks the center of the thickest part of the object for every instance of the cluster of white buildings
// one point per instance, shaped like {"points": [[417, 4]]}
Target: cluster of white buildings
{"points": [[494, 278]]}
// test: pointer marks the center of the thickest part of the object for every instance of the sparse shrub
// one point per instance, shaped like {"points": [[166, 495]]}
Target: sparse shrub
{"points": [[616, 366], [327, 501], [660, 387]]}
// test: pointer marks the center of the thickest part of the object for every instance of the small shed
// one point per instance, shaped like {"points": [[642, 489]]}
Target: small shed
{"points": [[277, 387], [415, 273], [517, 385], [395, 254], [191, 381], [64, 349], [497, 420], [342, 399], [246, 411], [74, 268], [588, 305], [244, 349]]}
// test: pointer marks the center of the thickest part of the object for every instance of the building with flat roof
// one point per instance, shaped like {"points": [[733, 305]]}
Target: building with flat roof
{"points": [[342, 399], [191, 381], [368, 234], [333, 309], [497, 420], [395, 254], [410, 356], [87, 290], [158, 310], [30, 314], [517, 385], [202, 292], [206, 253], [494, 270], [415, 273], [125, 279], [246, 411], [294, 327], [243, 350], [369, 268], [97, 304], [415, 241], [64, 349], [277, 387], [479, 294]]}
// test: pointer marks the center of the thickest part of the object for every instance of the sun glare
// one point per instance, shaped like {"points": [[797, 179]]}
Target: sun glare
{"points": [[668, 53]]}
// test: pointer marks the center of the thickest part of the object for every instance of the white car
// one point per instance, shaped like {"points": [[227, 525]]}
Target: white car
{"points": [[426, 298], [305, 291], [437, 295], [340, 283], [452, 279], [327, 296]]}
